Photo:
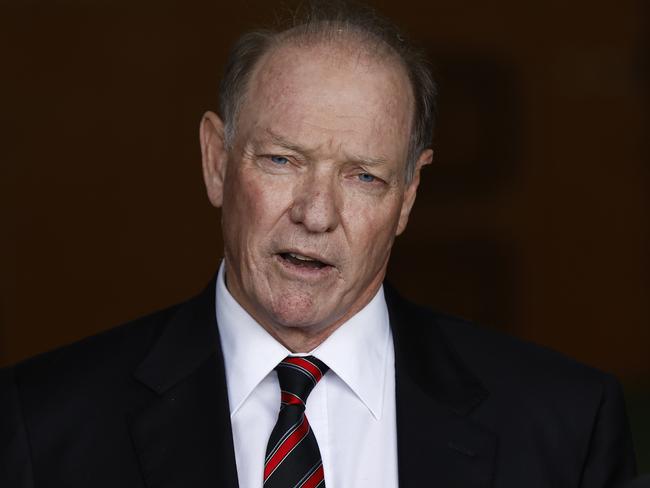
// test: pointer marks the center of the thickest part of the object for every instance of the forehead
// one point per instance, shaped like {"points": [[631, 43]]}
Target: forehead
{"points": [[334, 98]]}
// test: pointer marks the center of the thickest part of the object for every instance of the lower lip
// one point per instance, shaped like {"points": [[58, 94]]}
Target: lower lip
{"points": [[304, 272]]}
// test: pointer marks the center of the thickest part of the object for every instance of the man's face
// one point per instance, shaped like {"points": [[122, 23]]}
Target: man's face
{"points": [[313, 191]]}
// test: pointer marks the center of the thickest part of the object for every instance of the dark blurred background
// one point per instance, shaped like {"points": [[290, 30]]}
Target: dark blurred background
{"points": [[534, 219]]}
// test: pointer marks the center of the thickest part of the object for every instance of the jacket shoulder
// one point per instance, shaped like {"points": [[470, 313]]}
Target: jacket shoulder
{"points": [[86, 368], [500, 362], [499, 357], [64, 400], [538, 396]]}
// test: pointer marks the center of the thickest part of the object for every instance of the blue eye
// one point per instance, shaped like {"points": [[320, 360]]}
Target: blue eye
{"points": [[366, 177], [279, 160]]}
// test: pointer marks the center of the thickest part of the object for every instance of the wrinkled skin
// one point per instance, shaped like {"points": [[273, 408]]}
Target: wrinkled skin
{"points": [[317, 169]]}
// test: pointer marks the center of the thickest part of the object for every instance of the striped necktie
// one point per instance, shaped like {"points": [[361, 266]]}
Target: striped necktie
{"points": [[292, 456]]}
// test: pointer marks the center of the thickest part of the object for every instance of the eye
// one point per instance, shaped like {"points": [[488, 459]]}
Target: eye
{"points": [[366, 177], [279, 160]]}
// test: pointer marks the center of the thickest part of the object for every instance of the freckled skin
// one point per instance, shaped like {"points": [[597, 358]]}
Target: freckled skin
{"points": [[322, 113]]}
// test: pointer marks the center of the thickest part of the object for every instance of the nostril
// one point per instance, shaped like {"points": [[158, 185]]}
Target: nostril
{"points": [[314, 218]]}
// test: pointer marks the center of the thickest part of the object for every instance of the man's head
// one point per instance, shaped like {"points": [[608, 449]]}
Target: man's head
{"points": [[316, 168], [332, 21]]}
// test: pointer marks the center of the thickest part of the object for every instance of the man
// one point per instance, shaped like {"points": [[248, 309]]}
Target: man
{"points": [[296, 367]]}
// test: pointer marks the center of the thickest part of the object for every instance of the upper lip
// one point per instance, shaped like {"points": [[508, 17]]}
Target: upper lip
{"points": [[309, 254]]}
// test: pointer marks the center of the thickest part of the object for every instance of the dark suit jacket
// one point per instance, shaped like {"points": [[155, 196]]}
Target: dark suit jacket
{"points": [[146, 405]]}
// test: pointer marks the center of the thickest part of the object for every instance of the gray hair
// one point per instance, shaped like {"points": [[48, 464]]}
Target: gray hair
{"points": [[331, 21]]}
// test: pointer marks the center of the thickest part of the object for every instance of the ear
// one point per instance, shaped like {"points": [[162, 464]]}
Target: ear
{"points": [[214, 156], [409, 193]]}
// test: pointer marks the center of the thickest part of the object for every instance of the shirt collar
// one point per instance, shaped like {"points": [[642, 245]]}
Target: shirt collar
{"points": [[356, 352]]}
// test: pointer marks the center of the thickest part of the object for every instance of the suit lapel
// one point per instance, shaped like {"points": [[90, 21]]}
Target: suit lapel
{"points": [[438, 443], [184, 438]]}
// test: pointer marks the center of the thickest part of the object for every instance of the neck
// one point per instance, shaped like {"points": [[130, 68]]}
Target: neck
{"points": [[301, 339], [304, 339], [298, 340]]}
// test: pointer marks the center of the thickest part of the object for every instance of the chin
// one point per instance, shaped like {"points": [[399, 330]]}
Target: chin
{"points": [[298, 311]]}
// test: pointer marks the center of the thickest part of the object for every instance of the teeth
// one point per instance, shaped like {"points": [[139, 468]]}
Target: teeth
{"points": [[301, 257]]}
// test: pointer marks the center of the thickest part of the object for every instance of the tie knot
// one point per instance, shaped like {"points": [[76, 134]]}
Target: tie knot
{"points": [[298, 376]]}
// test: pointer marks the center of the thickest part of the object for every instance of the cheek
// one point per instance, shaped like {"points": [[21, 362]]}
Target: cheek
{"points": [[255, 205], [239, 214], [266, 203], [371, 229]]}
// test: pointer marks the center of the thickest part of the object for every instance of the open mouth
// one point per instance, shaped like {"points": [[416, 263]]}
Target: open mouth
{"points": [[303, 261]]}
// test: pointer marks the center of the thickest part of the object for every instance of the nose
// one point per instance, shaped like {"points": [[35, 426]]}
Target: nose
{"points": [[316, 203]]}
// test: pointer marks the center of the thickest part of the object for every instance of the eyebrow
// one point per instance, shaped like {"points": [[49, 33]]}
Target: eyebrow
{"points": [[354, 158], [278, 140]]}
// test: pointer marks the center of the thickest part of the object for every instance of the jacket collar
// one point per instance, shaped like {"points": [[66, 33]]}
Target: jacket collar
{"points": [[421, 350], [186, 341], [184, 437], [424, 353], [437, 440]]}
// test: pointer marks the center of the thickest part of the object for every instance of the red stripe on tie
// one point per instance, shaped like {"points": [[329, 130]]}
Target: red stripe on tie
{"points": [[290, 399], [287, 446], [303, 363], [314, 480]]}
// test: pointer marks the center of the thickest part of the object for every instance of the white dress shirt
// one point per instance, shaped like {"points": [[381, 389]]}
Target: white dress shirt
{"points": [[351, 410]]}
